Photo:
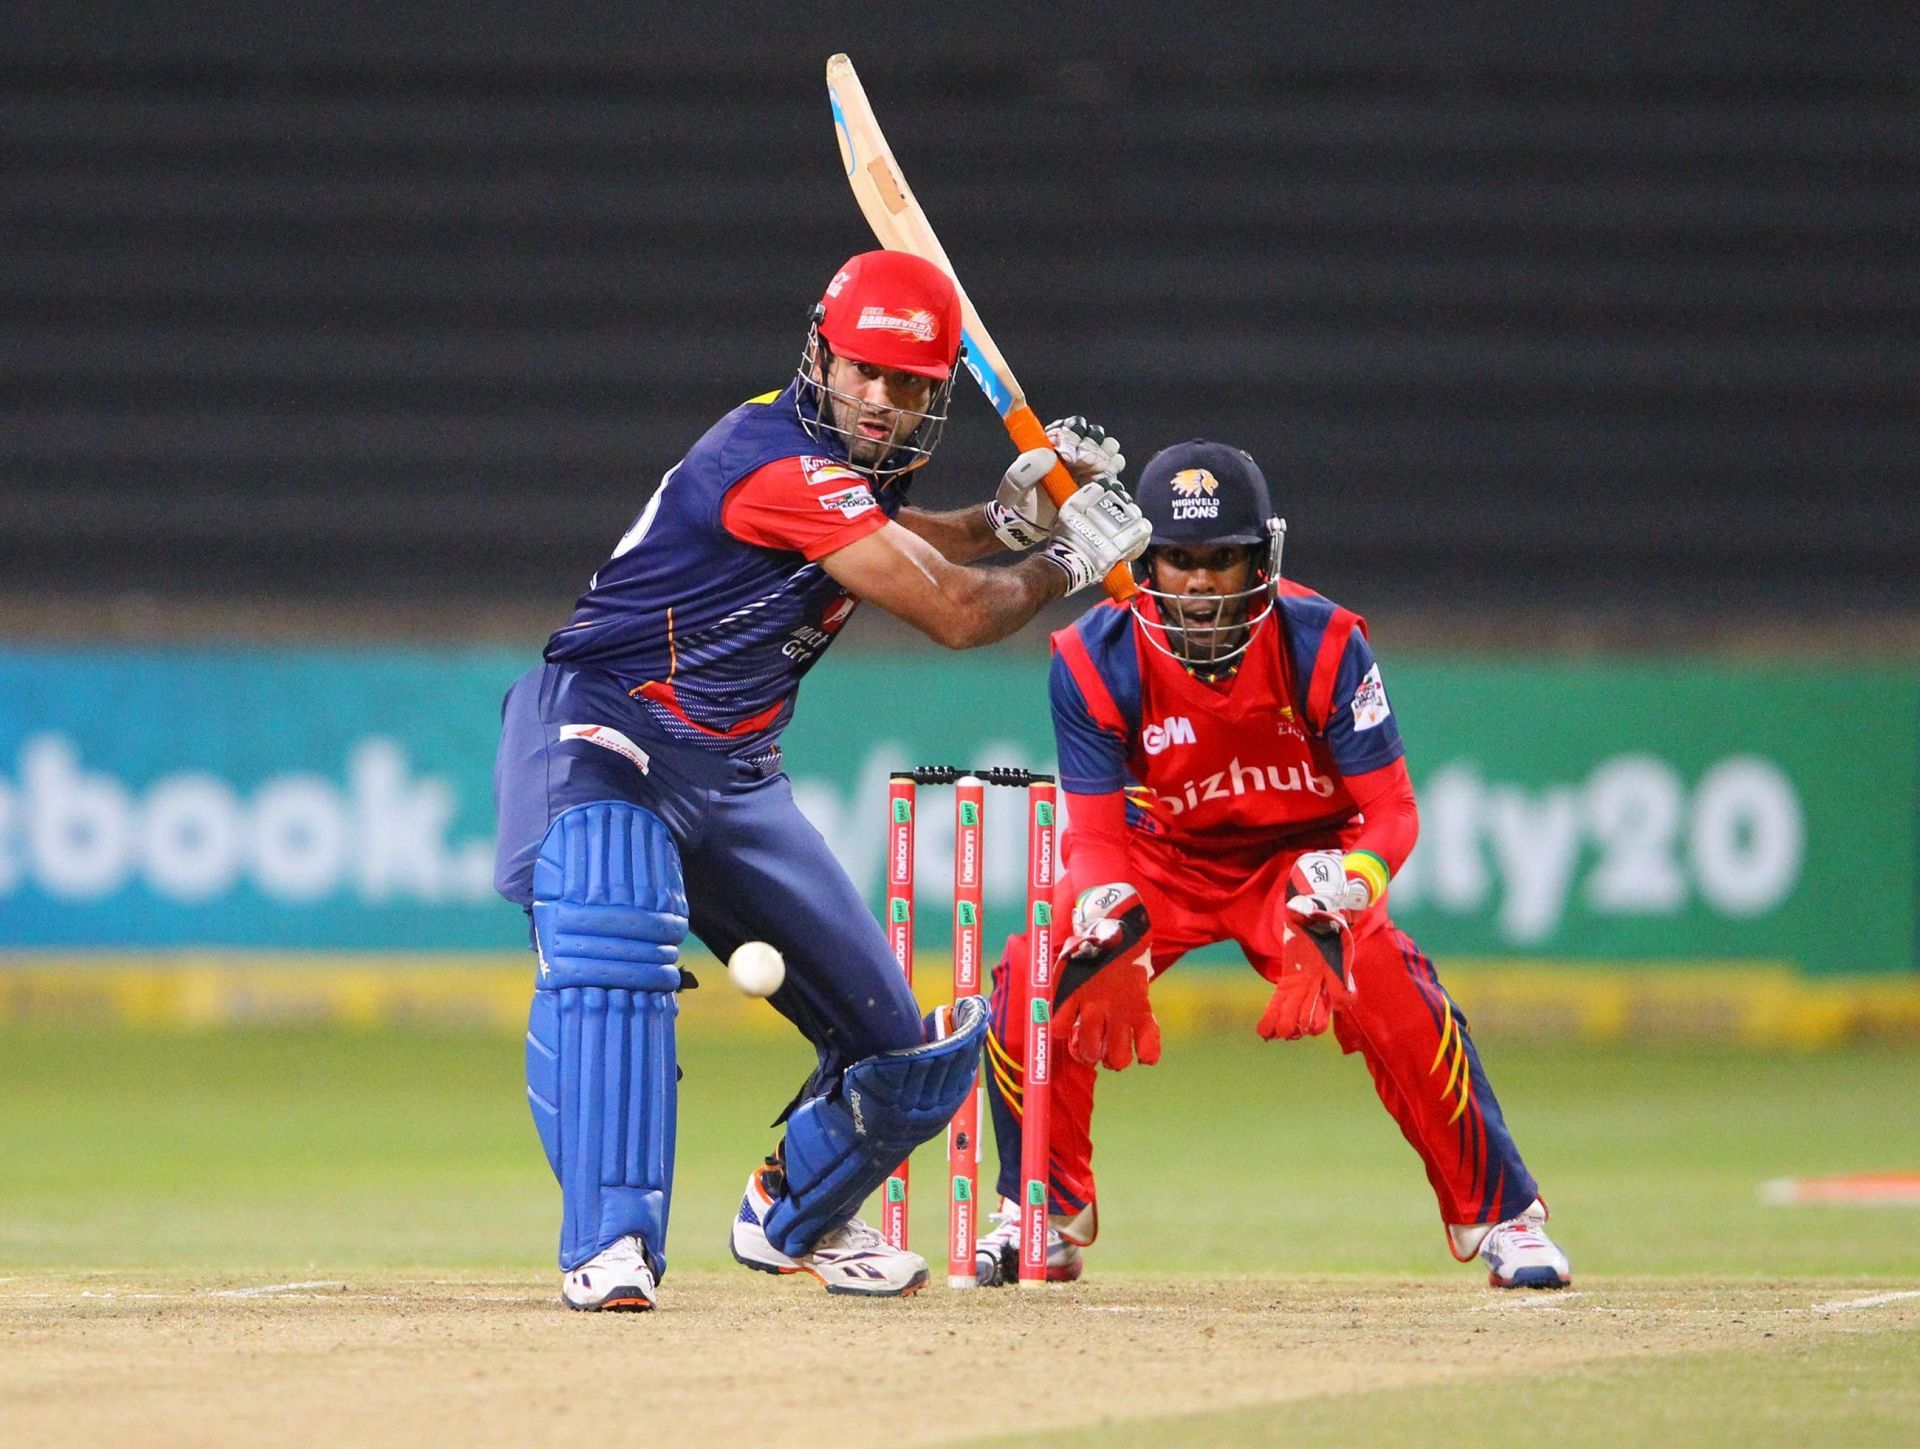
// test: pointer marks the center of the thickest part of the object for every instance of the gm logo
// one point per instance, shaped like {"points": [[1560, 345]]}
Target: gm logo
{"points": [[1174, 730]]}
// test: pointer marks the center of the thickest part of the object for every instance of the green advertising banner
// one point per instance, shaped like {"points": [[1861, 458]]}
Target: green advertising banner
{"points": [[1605, 811]]}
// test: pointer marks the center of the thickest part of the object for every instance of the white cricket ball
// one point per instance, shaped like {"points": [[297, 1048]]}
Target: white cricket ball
{"points": [[757, 969]]}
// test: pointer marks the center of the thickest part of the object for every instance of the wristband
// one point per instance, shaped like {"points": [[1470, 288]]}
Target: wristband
{"points": [[1370, 870]]}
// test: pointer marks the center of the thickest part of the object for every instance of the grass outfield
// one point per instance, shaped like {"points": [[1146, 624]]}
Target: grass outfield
{"points": [[282, 1149], [335, 1237]]}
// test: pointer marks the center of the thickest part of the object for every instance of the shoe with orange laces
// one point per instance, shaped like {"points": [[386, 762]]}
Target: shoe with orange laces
{"points": [[852, 1258], [1519, 1254]]}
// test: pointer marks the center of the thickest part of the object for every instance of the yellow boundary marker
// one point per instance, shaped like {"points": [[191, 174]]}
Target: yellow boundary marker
{"points": [[1726, 1002]]}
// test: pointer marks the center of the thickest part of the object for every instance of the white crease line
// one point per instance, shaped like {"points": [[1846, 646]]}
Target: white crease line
{"points": [[268, 1289], [1875, 1301], [1538, 1305]]}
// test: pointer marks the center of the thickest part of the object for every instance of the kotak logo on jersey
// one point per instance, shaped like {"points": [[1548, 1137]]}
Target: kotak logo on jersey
{"points": [[1194, 492], [1174, 730], [916, 322], [1370, 701], [849, 501], [827, 470]]}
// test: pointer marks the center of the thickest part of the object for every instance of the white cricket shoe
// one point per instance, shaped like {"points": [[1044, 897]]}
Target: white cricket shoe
{"points": [[996, 1256], [616, 1279], [1519, 1254], [852, 1258]]}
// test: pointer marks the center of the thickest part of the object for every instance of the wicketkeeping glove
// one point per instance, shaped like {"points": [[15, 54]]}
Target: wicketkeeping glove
{"points": [[1324, 892], [1301, 1004], [1324, 889], [1100, 1005], [1316, 945]]}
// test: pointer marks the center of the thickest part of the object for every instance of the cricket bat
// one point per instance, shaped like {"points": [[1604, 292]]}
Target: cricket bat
{"points": [[901, 226]]}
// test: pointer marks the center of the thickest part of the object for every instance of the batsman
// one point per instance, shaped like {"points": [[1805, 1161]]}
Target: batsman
{"points": [[641, 793], [1234, 772]]}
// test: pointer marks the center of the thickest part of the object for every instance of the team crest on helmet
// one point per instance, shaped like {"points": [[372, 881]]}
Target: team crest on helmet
{"points": [[916, 322], [1195, 493]]}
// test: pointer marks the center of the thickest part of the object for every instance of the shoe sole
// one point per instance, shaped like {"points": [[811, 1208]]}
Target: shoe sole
{"points": [[919, 1281], [621, 1300], [1530, 1278]]}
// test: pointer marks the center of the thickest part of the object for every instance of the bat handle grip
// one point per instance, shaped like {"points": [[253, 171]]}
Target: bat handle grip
{"points": [[1027, 432]]}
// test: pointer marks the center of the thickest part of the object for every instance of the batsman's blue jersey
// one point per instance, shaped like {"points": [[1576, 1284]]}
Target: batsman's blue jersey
{"points": [[668, 690], [710, 633]]}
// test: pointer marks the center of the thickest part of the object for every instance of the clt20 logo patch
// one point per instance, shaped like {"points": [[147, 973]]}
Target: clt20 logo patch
{"points": [[848, 501], [1370, 705]]}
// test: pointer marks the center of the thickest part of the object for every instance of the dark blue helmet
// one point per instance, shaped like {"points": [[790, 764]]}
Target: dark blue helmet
{"points": [[1197, 493], [1202, 492]]}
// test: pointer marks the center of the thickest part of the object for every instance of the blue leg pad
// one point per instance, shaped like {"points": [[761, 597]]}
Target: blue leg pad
{"points": [[841, 1146], [609, 913]]}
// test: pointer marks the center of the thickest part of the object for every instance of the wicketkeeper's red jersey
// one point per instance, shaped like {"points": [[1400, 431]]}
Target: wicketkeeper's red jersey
{"points": [[1231, 771]]}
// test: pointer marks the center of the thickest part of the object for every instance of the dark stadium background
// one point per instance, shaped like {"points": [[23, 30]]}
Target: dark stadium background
{"points": [[1597, 324]]}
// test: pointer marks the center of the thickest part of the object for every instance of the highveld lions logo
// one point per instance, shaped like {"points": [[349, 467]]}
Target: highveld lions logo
{"points": [[1194, 491], [916, 322]]}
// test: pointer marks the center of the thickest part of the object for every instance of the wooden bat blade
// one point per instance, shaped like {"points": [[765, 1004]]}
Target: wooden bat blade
{"points": [[899, 224]]}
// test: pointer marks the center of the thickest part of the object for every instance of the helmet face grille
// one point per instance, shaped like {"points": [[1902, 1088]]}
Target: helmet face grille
{"points": [[1209, 643], [814, 402]]}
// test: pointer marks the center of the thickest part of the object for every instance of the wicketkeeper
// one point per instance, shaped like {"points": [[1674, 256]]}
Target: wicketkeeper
{"points": [[1234, 772]]}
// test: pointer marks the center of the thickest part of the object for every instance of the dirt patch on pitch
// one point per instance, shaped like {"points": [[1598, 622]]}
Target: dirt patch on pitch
{"points": [[735, 1359]]}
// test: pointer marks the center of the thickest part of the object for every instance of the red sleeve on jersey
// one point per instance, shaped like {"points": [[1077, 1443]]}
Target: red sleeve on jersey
{"points": [[1072, 650], [810, 506], [1385, 797], [1097, 829], [1326, 665]]}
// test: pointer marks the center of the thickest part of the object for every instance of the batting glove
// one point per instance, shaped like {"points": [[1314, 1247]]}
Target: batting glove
{"points": [[1094, 530], [1101, 1006], [1086, 449], [1021, 514]]}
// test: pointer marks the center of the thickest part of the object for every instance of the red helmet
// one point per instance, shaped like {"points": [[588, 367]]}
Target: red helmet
{"points": [[893, 310]]}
